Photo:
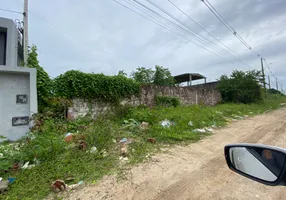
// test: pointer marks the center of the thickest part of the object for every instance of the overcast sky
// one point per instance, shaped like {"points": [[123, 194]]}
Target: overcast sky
{"points": [[101, 36]]}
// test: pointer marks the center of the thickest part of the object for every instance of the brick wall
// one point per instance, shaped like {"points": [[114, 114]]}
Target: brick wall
{"points": [[187, 96]]}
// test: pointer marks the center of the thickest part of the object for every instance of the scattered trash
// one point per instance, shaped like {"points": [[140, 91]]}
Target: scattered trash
{"points": [[204, 130], [31, 124], [93, 150], [167, 123], [124, 150], [3, 186], [209, 129], [152, 140], [1, 179], [68, 137], [214, 125], [104, 153], [27, 166], [144, 125], [123, 158], [200, 130], [58, 186], [82, 145], [190, 123], [123, 140], [11, 180], [74, 186], [16, 167]]}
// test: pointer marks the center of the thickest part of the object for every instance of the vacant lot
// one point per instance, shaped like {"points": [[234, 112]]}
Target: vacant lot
{"points": [[199, 171]]}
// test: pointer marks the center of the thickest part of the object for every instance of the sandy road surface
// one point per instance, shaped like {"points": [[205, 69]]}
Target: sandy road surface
{"points": [[198, 171]]}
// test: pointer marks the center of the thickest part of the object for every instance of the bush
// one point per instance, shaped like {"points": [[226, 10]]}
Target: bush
{"points": [[240, 87], [167, 101], [76, 84], [44, 83]]}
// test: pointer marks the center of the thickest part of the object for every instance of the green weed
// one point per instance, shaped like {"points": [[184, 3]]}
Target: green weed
{"points": [[57, 159]]}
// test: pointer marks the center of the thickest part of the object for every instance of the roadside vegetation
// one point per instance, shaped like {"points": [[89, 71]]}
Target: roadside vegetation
{"points": [[113, 142]]}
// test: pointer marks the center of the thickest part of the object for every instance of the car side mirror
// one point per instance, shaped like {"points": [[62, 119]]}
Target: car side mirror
{"points": [[261, 163]]}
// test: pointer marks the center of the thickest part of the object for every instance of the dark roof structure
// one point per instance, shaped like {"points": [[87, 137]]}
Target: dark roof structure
{"points": [[188, 77]]}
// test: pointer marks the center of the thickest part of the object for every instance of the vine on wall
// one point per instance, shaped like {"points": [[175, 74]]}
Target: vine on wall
{"points": [[77, 84]]}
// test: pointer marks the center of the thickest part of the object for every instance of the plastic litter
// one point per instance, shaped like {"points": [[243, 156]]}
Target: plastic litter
{"points": [[167, 123], [200, 130], [11, 180], [123, 158], [152, 140], [25, 166], [3, 186], [1, 179], [93, 150], [58, 186], [144, 125], [191, 123], [209, 129], [68, 137], [123, 140], [74, 186]]}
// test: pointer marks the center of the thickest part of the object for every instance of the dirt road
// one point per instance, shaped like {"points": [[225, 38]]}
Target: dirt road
{"points": [[199, 171]]}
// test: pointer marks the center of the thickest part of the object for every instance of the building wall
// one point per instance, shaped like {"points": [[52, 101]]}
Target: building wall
{"points": [[18, 100], [187, 96], [207, 86]]}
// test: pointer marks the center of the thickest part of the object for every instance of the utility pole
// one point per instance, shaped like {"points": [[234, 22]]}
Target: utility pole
{"points": [[277, 84], [263, 75], [269, 86], [25, 32]]}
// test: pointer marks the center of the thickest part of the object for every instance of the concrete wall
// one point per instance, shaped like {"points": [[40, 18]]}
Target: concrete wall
{"points": [[187, 96], [18, 100], [207, 86]]}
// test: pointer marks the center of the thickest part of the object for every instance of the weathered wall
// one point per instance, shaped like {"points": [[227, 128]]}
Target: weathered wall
{"points": [[187, 96], [207, 86]]}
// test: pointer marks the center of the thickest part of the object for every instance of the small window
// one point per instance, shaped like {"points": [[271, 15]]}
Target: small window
{"points": [[3, 43]]}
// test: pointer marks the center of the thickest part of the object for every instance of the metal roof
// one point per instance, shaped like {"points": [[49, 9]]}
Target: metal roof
{"points": [[186, 77]]}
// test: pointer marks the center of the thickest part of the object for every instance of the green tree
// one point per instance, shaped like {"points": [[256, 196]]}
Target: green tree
{"points": [[143, 75], [44, 83], [121, 73], [240, 87], [163, 76]]}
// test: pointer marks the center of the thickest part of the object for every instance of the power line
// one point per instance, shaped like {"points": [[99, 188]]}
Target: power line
{"points": [[203, 28], [11, 11], [203, 40], [160, 24], [228, 26], [165, 27]]}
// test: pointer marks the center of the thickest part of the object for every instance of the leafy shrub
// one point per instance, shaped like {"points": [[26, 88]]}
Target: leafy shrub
{"points": [[167, 101], [44, 83], [240, 87], [74, 84]]}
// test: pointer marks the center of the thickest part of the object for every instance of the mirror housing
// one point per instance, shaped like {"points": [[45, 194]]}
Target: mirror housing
{"points": [[252, 161]]}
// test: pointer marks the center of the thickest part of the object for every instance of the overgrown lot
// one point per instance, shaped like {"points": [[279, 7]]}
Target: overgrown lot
{"points": [[54, 158]]}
